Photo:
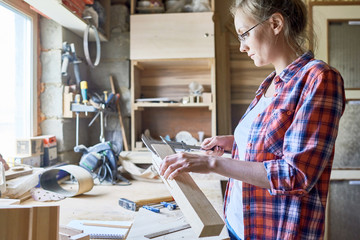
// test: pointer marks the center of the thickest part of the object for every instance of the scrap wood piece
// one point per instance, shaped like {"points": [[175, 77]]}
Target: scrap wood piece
{"points": [[69, 233], [167, 231], [18, 171], [18, 186], [197, 209], [6, 201]]}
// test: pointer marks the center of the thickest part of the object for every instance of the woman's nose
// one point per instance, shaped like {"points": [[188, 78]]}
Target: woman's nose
{"points": [[243, 47]]}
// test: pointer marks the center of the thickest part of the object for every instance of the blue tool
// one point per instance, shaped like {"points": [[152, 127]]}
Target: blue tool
{"points": [[153, 209], [170, 206]]}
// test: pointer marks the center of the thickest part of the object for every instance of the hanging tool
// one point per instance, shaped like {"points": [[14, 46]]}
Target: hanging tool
{"points": [[69, 56], [86, 42], [126, 147], [101, 105]]}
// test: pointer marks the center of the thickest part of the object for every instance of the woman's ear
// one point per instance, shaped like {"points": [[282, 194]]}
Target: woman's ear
{"points": [[277, 23]]}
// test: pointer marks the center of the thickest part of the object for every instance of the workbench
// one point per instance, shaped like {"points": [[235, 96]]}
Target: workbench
{"points": [[101, 203]]}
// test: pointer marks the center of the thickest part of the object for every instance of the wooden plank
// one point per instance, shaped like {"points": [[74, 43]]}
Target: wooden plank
{"points": [[15, 172], [69, 230], [167, 231], [45, 222], [345, 175], [15, 222], [197, 209], [18, 186], [6, 202], [69, 233]]}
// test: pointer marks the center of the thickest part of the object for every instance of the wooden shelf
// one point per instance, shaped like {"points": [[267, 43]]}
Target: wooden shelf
{"points": [[165, 66], [58, 12], [180, 105]]}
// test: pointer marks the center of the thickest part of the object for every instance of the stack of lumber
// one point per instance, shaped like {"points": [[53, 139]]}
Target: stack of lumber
{"points": [[19, 181]]}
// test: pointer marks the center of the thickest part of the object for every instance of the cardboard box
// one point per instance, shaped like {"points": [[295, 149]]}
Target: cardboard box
{"points": [[50, 149], [207, 97], [29, 146], [33, 160]]}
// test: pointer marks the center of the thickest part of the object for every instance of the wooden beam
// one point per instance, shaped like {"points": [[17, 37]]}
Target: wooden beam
{"points": [[19, 222], [45, 222], [15, 222], [197, 209]]}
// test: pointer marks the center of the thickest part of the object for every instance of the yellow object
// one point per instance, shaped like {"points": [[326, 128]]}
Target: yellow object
{"points": [[105, 96], [84, 87]]}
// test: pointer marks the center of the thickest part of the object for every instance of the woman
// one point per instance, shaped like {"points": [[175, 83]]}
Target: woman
{"points": [[283, 147]]}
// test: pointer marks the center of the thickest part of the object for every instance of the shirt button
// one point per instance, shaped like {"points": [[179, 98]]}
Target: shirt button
{"points": [[275, 94], [277, 80], [288, 113], [249, 144], [247, 207], [259, 115]]}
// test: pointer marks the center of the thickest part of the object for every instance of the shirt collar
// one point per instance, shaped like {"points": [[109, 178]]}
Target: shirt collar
{"points": [[289, 71], [295, 66]]}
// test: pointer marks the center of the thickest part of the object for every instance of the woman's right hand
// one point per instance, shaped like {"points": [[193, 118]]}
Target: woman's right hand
{"points": [[218, 145]]}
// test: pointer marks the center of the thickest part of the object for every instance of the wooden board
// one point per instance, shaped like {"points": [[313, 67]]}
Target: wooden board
{"points": [[29, 222], [15, 172], [45, 222], [15, 223], [197, 209], [5, 202], [18, 186]]}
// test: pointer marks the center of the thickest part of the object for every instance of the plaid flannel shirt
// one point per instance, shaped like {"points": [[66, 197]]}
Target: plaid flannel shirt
{"points": [[294, 138]]}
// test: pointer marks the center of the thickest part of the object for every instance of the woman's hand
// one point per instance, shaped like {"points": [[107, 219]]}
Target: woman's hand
{"points": [[218, 144], [175, 164]]}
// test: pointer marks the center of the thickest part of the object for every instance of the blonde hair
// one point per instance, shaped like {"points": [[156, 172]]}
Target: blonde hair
{"points": [[293, 11]]}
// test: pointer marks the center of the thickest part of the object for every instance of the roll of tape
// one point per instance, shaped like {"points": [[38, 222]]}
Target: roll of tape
{"points": [[49, 181]]}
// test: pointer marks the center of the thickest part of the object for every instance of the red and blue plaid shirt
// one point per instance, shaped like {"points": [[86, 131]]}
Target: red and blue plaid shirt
{"points": [[294, 138]]}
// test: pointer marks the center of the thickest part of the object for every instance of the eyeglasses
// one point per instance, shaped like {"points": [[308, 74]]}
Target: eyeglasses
{"points": [[242, 37]]}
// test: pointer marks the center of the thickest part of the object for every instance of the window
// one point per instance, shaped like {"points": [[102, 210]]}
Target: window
{"points": [[17, 78]]}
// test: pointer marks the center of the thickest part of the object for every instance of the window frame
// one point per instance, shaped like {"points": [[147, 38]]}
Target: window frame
{"points": [[24, 8]]}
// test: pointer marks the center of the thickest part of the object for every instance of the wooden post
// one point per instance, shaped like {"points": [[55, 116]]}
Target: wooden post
{"points": [[126, 147]]}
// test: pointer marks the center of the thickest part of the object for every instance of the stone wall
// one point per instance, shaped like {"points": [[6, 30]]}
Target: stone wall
{"points": [[114, 61]]}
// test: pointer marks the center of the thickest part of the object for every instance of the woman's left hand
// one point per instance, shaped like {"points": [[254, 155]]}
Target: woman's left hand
{"points": [[175, 164]]}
